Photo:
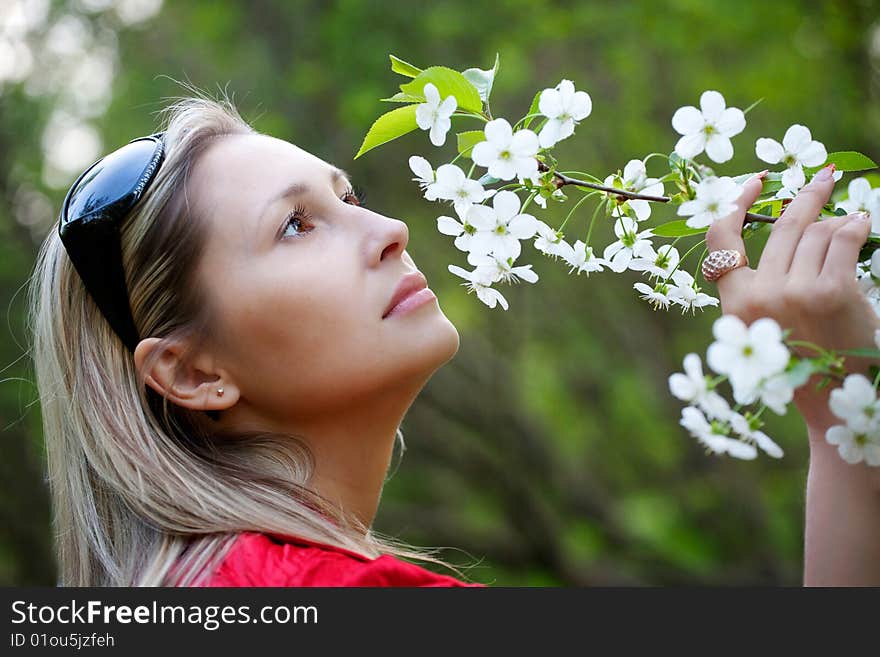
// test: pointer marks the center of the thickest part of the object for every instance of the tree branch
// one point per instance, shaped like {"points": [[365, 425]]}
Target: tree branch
{"points": [[625, 195]]}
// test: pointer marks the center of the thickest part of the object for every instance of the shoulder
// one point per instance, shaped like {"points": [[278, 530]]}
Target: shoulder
{"points": [[257, 559]]}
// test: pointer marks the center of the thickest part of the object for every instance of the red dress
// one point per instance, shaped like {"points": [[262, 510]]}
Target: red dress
{"points": [[257, 559]]}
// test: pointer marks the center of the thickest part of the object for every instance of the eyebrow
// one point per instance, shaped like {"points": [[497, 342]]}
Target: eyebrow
{"points": [[298, 188]]}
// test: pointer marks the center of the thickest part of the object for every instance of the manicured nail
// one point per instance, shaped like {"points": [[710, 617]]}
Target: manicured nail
{"points": [[826, 173]]}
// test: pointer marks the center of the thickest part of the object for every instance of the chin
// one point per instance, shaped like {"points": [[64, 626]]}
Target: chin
{"points": [[430, 345]]}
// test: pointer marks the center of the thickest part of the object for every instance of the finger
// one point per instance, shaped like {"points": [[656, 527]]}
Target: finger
{"points": [[801, 212], [843, 252], [809, 257], [726, 233]]}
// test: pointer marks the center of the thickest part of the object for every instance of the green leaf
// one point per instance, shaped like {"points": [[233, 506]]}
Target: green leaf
{"points": [[404, 68], [846, 161], [482, 79], [390, 125], [533, 109], [677, 228], [448, 83], [401, 97], [467, 140]]}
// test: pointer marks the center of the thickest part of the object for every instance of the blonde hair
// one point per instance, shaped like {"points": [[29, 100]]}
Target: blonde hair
{"points": [[145, 493]]}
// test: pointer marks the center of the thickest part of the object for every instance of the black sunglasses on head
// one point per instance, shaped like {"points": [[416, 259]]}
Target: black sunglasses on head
{"points": [[91, 215]]}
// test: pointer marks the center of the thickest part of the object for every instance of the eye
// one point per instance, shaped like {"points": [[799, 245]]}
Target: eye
{"points": [[355, 195], [300, 219]]}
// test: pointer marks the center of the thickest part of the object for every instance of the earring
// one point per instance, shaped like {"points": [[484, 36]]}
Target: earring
{"points": [[219, 392]]}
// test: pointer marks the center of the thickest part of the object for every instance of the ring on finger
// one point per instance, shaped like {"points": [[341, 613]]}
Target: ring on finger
{"points": [[721, 261]]}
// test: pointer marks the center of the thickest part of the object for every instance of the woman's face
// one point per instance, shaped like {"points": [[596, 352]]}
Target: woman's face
{"points": [[301, 276]]}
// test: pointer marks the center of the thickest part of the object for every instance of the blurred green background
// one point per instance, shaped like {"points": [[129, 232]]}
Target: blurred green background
{"points": [[549, 449]]}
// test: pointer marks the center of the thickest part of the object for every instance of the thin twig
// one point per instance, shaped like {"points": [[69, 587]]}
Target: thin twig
{"points": [[624, 195]]}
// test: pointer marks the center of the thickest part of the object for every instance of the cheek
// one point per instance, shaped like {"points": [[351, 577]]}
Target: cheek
{"points": [[295, 334]]}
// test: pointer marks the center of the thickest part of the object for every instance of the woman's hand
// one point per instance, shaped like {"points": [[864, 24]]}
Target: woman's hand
{"points": [[805, 279]]}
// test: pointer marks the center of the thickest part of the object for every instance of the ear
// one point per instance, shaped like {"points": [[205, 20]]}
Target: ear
{"points": [[192, 383]]}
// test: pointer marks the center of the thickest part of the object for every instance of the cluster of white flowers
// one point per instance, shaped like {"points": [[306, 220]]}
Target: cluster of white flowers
{"points": [[857, 405], [490, 225], [754, 360], [491, 235]]}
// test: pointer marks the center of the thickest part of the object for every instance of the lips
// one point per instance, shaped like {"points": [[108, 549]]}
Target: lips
{"points": [[409, 284]]}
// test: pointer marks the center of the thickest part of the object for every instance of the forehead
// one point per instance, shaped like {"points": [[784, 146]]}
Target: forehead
{"points": [[238, 174], [237, 164]]}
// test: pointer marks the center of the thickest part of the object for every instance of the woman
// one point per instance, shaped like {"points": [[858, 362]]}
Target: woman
{"points": [[226, 343]]}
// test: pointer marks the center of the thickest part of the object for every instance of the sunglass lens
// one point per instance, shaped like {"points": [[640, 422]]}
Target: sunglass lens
{"points": [[111, 178]]}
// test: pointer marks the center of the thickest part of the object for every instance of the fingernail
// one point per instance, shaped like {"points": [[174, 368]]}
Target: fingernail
{"points": [[826, 173], [863, 216], [762, 174]]}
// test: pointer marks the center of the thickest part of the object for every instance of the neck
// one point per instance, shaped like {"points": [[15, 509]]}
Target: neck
{"points": [[352, 445]]}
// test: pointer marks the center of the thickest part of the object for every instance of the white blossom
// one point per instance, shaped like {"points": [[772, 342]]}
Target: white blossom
{"points": [[863, 199], [693, 387], [853, 446], [434, 114], [581, 258], [743, 429], [425, 175], [713, 436], [708, 128], [660, 264], [507, 154], [630, 244], [463, 230], [775, 392], [551, 242], [659, 296], [480, 282], [747, 354], [635, 179], [797, 150], [716, 198], [452, 184], [501, 227], [687, 294], [502, 271], [856, 404], [563, 107]]}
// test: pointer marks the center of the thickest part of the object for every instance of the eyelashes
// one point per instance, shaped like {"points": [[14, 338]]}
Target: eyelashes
{"points": [[299, 216]]}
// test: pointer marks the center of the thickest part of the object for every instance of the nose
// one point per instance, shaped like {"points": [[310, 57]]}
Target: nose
{"points": [[388, 239]]}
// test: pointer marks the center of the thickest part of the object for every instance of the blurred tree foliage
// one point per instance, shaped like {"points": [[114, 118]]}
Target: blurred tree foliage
{"points": [[549, 448]]}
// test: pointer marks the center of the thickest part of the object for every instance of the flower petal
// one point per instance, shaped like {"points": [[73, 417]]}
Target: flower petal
{"points": [[687, 120], [769, 150], [550, 103], [793, 178], [691, 145], [731, 122], [432, 95], [549, 133], [498, 130], [718, 148], [813, 155], [506, 204], [796, 138], [712, 104], [449, 226]]}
